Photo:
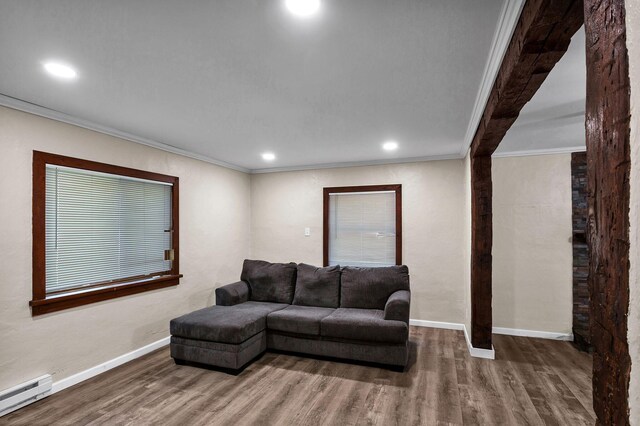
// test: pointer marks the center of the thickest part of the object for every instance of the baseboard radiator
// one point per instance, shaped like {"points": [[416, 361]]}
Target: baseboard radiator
{"points": [[24, 394]]}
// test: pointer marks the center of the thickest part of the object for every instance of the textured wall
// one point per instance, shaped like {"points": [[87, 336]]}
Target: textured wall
{"points": [[214, 238], [283, 204], [633, 44], [532, 255]]}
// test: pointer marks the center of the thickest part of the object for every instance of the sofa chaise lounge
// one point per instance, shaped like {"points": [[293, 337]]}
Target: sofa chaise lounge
{"points": [[351, 313]]}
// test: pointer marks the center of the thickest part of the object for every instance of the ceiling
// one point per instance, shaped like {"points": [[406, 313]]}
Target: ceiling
{"points": [[228, 80]]}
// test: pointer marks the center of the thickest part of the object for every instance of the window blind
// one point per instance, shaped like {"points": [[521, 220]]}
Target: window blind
{"points": [[362, 228], [102, 227]]}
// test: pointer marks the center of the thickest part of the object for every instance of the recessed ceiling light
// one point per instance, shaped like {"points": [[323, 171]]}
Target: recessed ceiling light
{"points": [[390, 145], [60, 70], [303, 8], [268, 156]]}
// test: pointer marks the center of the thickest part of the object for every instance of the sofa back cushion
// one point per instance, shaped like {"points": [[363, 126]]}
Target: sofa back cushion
{"points": [[317, 286], [269, 282], [369, 288]]}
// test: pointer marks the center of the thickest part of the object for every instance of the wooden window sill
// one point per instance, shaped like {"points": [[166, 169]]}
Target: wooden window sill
{"points": [[80, 297]]}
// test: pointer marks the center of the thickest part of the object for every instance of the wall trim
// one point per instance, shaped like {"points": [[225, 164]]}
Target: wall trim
{"points": [[359, 163], [507, 22], [478, 352], [490, 353], [42, 111], [108, 365], [31, 108], [533, 333], [523, 153], [548, 151], [20, 105], [474, 352], [437, 324]]}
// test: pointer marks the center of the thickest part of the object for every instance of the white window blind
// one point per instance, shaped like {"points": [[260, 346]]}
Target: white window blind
{"points": [[362, 228], [102, 227]]}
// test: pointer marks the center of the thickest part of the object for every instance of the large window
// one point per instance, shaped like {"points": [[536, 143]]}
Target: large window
{"points": [[100, 231], [362, 225]]}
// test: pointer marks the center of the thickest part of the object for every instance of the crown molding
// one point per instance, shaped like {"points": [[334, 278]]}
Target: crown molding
{"points": [[523, 153], [41, 111], [52, 114], [358, 163], [507, 22], [548, 151], [31, 108]]}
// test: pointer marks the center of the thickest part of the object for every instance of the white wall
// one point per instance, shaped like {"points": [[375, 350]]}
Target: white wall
{"points": [[283, 204], [225, 217], [532, 226], [633, 44], [214, 238], [532, 252]]}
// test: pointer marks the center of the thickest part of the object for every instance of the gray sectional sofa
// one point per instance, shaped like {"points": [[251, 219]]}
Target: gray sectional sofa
{"points": [[352, 313]]}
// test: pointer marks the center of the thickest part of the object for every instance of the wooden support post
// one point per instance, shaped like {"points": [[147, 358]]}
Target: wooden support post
{"points": [[481, 244], [608, 114], [540, 39]]}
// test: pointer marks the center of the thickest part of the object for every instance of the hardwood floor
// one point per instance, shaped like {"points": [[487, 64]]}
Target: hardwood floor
{"points": [[532, 381]]}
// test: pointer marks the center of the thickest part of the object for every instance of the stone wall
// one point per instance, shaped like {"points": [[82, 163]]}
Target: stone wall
{"points": [[581, 332]]}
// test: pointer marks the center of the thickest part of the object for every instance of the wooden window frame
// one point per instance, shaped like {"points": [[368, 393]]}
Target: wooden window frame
{"points": [[365, 188], [43, 303]]}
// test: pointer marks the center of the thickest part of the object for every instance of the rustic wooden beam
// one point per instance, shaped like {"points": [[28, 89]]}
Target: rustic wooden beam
{"points": [[481, 242], [608, 114], [541, 37]]}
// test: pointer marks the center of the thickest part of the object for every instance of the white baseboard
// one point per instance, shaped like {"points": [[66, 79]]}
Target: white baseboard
{"points": [[98, 369], [478, 352], [533, 333], [496, 330], [105, 366], [437, 324], [474, 352]]}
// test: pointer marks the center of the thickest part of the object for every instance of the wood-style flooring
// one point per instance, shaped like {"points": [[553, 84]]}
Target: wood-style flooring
{"points": [[532, 381]]}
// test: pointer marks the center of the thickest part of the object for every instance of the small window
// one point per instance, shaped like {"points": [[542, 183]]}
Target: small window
{"points": [[100, 232], [362, 225]]}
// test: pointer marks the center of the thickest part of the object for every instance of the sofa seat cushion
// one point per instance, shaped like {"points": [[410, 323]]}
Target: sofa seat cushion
{"points": [[298, 319], [364, 325], [225, 324], [270, 282], [317, 286], [370, 288]]}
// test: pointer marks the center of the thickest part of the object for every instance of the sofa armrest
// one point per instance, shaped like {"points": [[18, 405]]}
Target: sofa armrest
{"points": [[397, 307], [232, 294]]}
